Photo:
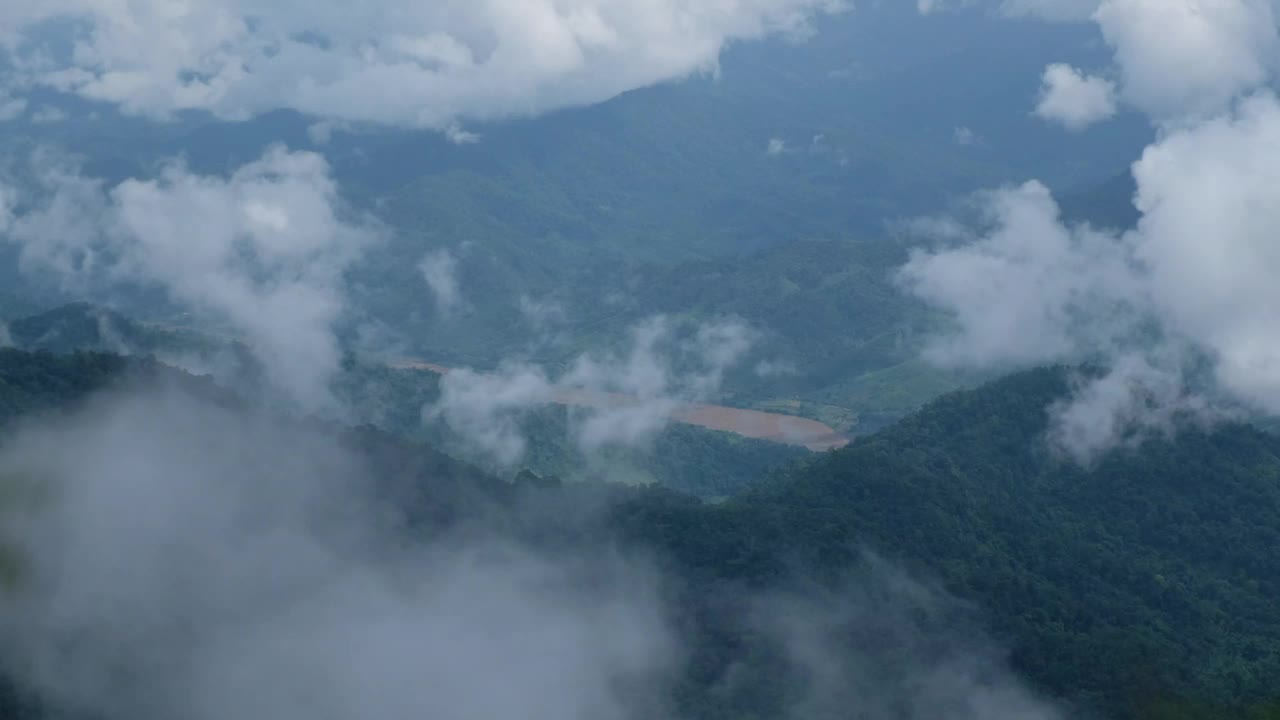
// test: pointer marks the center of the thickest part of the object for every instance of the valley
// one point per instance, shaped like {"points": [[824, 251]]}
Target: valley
{"points": [[640, 360], [754, 424]]}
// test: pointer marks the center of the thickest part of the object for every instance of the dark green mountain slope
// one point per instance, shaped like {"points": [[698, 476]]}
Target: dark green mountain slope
{"points": [[696, 460], [427, 484], [81, 326], [1145, 587], [830, 314], [15, 306], [843, 341], [881, 115], [699, 461], [36, 382], [1148, 578]]}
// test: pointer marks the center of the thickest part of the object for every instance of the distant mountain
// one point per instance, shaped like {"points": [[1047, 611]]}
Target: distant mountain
{"points": [[704, 462], [32, 383], [838, 137], [1109, 204], [85, 327], [880, 115], [839, 341], [13, 305]]}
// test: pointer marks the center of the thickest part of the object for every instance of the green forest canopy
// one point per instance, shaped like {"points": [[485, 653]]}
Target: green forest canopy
{"points": [[1144, 587]]}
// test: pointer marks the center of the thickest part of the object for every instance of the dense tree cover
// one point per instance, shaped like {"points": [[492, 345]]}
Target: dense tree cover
{"points": [[703, 462], [832, 318], [13, 305], [837, 339], [85, 327], [706, 463], [1128, 587], [1144, 587], [34, 382], [603, 201], [701, 211]]}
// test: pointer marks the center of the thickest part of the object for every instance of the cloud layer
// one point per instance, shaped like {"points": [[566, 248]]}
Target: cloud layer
{"points": [[1194, 282], [262, 251], [615, 399], [1075, 100], [425, 64], [1179, 311], [1178, 60], [179, 558], [440, 272]]}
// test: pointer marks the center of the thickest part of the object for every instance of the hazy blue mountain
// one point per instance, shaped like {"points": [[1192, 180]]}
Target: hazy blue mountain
{"points": [[681, 198]]}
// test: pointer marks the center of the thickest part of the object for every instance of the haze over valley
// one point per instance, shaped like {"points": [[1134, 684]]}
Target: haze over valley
{"points": [[635, 359]]}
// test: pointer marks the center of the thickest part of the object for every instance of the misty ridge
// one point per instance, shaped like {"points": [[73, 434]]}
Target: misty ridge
{"points": [[351, 359], [178, 554]]}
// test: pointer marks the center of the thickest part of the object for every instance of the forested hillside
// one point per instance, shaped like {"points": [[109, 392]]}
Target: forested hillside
{"points": [[1144, 587], [833, 320], [681, 198], [639, 360], [706, 463], [31, 383]]}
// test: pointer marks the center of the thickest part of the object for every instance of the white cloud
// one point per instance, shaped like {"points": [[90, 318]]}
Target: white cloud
{"points": [[615, 399], [1210, 198], [262, 250], [929, 7], [775, 147], [638, 392], [1195, 281], [48, 115], [180, 558], [1073, 99], [1192, 286], [212, 564], [8, 198], [455, 134], [440, 271], [11, 108], [1056, 10], [542, 314], [1182, 59], [485, 409], [1042, 291], [1138, 395], [1178, 60], [321, 133], [923, 661], [424, 64]]}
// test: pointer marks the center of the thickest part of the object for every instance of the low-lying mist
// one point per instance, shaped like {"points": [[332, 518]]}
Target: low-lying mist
{"points": [[181, 559], [173, 555]]}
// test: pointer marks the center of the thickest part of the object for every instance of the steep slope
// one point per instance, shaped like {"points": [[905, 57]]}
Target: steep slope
{"points": [[868, 117], [706, 462], [81, 326], [37, 382], [1144, 587], [1139, 584], [833, 321]]}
